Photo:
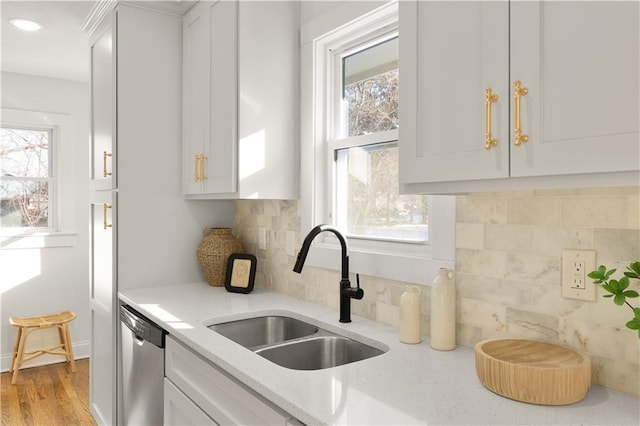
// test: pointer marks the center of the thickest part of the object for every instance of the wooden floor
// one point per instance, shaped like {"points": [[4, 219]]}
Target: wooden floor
{"points": [[47, 395]]}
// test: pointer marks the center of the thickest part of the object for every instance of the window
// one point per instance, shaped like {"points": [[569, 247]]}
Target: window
{"points": [[364, 146], [26, 178], [37, 184], [350, 79]]}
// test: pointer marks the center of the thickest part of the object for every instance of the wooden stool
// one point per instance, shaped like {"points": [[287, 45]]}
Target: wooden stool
{"points": [[28, 324]]}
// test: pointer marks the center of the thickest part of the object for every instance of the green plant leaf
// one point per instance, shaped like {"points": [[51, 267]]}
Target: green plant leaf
{"points": [[623, 284], [607, 295], [634, 324], [633, 270], [636, 313], [598, 274], [609, 273], [618, 299], [594, 275], [611, 288], [630, 293]]}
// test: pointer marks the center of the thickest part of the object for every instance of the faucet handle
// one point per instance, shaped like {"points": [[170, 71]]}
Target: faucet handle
{"points": [[353, 292], [357, 292]]}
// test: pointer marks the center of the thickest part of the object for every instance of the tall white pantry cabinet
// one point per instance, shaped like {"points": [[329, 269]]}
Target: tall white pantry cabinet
{"points": [[103, 226], [498, 94], [143, 232]]}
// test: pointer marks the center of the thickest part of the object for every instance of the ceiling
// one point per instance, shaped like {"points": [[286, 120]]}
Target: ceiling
{"points": [[59, 50]]}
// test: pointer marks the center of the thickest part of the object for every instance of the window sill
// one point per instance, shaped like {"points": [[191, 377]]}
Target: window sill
{"points": [[416, 269], [37, 240]]}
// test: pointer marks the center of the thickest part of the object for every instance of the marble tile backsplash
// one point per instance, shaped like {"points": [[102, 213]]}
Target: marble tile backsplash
{"points": [[508, 270]]}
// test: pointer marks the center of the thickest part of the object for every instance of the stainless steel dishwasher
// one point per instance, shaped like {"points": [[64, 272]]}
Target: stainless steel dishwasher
{"points": [[142, 398]]}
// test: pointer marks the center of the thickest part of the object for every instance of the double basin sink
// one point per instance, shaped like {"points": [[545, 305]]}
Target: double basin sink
{"points": [[295, 344]]}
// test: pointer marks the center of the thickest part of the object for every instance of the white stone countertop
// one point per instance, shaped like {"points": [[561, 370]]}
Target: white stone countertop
{"points": [[409, 384]]}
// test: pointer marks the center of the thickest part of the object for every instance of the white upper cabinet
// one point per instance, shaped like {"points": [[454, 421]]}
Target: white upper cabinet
{"points": [[240, 98], [577, 112], [103, 106], [450, 52], [210, 98], [579, 61]]}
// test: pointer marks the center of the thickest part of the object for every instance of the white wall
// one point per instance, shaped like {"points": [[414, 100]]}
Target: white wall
{"points": [[49, 280], [310, 10]]}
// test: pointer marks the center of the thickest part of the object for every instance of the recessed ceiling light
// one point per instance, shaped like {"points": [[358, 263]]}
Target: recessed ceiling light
{"points": [[25, 24]]}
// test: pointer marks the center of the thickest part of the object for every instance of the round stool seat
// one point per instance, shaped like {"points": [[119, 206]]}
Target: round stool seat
{"points": [[26, 325]]}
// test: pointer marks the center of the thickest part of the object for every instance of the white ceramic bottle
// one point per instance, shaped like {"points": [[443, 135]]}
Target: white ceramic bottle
{"points": [[411, 315], [443, 311]]}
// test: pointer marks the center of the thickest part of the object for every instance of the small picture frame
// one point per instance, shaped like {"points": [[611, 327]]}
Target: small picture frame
{"points": [[241, 273]]}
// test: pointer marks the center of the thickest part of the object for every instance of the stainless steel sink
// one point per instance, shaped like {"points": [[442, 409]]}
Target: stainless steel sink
{"points": [[315, 353], [266, 330], [295, 344]]}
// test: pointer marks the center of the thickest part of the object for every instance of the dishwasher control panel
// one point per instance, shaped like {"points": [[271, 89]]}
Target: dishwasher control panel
{"points": [[141, 326]]}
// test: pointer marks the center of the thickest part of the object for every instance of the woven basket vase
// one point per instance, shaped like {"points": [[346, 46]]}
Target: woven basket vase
{"points": [[214, 251]]}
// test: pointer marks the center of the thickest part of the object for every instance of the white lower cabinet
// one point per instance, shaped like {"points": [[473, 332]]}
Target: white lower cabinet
{"points": [[198, 391], [180, 410]]}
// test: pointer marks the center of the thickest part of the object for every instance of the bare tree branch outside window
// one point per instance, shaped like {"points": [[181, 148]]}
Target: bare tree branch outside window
{"points": [[24, 178], [375, 206]]}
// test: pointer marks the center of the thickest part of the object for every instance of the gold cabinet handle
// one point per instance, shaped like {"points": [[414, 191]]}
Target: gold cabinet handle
{"points": [[202, 175], [198, 167], [105, 206], [104, 164], [518, 93], [489, 98]]}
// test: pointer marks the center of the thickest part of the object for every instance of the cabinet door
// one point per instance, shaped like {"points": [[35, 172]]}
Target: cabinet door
{"points": [[103, 105], [450, 53], [221, 162], [102, 306], [579, 62], [196, 82], [220, 396], [180, 410], [210, 94]]}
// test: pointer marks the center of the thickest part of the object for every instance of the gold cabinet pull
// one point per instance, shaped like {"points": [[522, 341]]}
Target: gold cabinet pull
{"points": [[198, 168], [489, 98], [202, 175], [105, 206], [518, 93], [104, 164]]}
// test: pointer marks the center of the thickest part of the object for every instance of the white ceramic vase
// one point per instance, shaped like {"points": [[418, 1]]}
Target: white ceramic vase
{"points": [[411, 315], [443, 311]]}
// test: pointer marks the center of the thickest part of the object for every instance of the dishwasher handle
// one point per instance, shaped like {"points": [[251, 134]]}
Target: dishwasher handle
{"points": [[142, 327]]}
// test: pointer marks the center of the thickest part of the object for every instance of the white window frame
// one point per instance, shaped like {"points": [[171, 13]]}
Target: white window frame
{"points": [[61, 203], [49, 180], [409, 262]]}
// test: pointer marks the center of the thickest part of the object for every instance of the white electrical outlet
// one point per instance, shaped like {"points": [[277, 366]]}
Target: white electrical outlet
{"points": [[578, 274], [576, 264], [262, 238]]}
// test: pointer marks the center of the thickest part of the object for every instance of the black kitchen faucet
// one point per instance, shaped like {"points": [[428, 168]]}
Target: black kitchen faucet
{"points": [[346, 291]]}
